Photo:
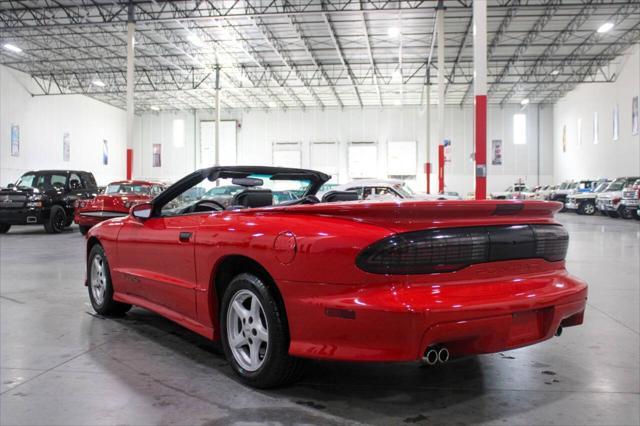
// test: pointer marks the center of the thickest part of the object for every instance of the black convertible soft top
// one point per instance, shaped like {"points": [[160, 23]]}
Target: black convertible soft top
{"points": [[316, 179]]}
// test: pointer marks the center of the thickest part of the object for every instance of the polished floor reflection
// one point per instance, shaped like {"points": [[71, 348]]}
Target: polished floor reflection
{"points": [[61, 364]]}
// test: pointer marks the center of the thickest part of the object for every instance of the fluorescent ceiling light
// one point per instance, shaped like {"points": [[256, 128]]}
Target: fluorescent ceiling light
{"points": [[154, 108], [524, 102], [555, 72], [393, 32], [605, 27], [12, 48], [98, 83], [195, 40]]}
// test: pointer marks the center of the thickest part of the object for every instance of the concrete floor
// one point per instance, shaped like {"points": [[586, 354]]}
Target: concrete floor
{"points": [[61, 364]]}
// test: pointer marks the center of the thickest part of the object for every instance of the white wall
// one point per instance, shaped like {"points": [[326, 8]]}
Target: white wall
{"points": [[608, 158], [259, 129], [43, 122]]}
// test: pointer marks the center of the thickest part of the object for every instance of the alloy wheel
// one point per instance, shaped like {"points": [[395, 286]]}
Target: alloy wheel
{"points": [[98, 279], [247, 330], [589, 209]]}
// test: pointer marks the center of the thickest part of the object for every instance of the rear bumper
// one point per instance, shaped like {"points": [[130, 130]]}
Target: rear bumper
{"points": [[22, 216], [397, 323]]}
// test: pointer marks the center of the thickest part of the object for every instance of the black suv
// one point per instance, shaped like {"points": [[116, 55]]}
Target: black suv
{"points": [[45, 197]]}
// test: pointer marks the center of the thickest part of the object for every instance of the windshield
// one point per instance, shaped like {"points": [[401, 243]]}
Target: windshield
{"points": [[223, 192], [404, 190], [26, 181], [601, 187], [563, 185], [126, 188], [573, 186], [616, 185]]}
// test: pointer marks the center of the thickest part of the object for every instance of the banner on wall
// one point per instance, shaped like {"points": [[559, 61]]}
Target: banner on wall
{"points": [[105, 152], [15, 140], [616, 123], [447, 150], [496, 149], [634, 116], [66, 147], [157, 155]]}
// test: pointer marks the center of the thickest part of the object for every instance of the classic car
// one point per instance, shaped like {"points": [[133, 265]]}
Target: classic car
{"points": [[116, 200], [560, 193], [45, 197], [608, 202], [630, 200], [518, 191], [543, 192], [409, 280], [584, 203], [371, 189]]}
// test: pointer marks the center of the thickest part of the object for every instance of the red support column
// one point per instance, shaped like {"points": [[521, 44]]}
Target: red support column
{"points": [[427, 170], [481, 146], [129, 163], [440, 168]]}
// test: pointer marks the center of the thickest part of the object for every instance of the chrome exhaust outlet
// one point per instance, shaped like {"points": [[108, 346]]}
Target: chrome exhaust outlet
{"points": [[443, 355], [430, 356], [559, 331]]}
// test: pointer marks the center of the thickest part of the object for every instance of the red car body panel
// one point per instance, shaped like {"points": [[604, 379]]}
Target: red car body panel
{"points": [[107, 206], [334, 309]]}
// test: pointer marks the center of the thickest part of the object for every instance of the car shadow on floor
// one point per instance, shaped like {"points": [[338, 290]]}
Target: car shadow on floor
{"points": [[376, 393]]}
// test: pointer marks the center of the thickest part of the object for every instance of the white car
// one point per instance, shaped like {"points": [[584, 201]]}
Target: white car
{"points": [[518, 191], [375, 189]]}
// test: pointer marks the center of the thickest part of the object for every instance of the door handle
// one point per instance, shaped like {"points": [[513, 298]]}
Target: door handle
{"points": [[185, 237]]}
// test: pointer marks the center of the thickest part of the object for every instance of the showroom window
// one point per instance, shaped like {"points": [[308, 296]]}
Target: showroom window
{"points": [[519, 129]]}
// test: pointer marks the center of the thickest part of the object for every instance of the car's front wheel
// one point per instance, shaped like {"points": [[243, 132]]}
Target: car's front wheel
{"points": [[587, 207], [254, 334], [4, 228], [57, 220], [625, 213], [100, 287]]}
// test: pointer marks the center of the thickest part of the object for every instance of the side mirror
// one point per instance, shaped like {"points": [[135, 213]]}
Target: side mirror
{"points": [[11, 186], [142, 211]]}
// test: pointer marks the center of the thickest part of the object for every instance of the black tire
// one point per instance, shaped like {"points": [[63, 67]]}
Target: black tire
{"points": [[4, 228], [277, 368], [106, 305], [613, 214], [587, 208], [84, 229], [57, 220], [625, 213]]}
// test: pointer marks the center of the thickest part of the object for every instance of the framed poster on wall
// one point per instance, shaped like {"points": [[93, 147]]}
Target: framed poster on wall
{"points": [[401, 158], [157, 155], [66, 147], [447, 150], [15, 140], [363, 160], [287, 154]]}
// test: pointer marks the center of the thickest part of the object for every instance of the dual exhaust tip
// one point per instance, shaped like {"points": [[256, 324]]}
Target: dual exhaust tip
{"points": [[434, 355]]}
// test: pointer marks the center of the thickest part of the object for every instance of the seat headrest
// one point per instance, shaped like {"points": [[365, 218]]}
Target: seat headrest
{"points": [[253, 197], [334, 196]]}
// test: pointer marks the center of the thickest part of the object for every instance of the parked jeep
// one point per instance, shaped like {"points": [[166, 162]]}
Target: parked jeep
{"points": [[608, 202], [45, 197], [630, 201], [585, 202]]}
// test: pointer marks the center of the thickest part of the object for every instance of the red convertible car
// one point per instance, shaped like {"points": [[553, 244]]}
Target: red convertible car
{"points": [[115, 201], [336, 279]]}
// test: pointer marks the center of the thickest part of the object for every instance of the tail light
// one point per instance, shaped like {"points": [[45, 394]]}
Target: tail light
{"points": [[451, 249]]}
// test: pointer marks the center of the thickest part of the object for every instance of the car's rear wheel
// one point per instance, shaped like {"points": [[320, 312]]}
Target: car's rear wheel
{"points": [[57, 220], [84, 229], [100, 287], [587, 207], [4, 228], [255, 335]]}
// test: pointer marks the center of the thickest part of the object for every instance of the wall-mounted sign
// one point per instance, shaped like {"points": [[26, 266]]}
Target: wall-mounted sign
{"points": [[447, 150], [157, 155], [15, 140], [105, 152], [496, 150]]}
